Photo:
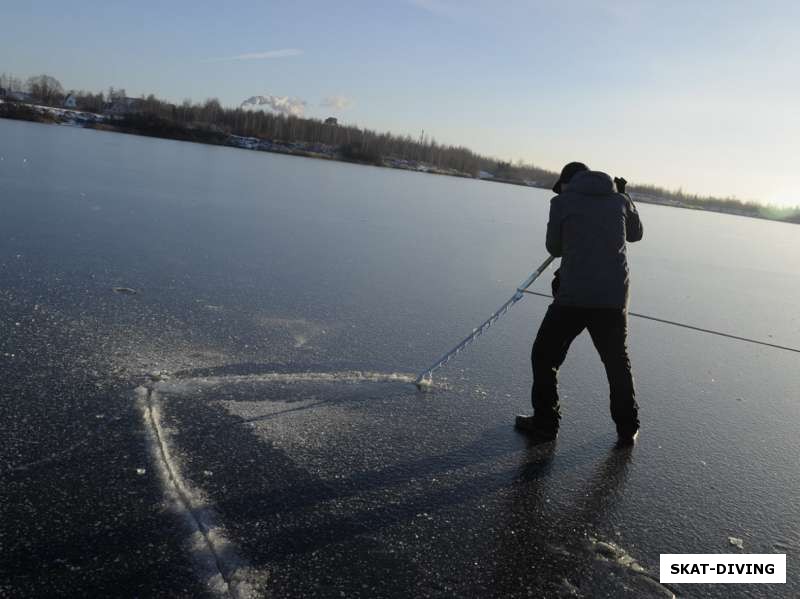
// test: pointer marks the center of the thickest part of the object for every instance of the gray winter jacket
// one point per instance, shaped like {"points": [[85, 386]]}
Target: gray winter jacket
{"points": [[589, 225]]}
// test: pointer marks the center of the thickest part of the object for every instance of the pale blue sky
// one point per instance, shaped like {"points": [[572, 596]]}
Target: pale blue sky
{"points": [[702, 95]]}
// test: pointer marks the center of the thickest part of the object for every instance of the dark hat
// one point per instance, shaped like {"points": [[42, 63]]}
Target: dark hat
{"points": [[569, 171]]}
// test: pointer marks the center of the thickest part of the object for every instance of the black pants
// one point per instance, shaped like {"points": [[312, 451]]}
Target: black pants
{"points": [[608, 328]]}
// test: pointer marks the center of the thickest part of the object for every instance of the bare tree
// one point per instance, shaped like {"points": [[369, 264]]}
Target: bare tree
{"points": [[89, 101], [115, 95], [10, 82], [46, 89]]}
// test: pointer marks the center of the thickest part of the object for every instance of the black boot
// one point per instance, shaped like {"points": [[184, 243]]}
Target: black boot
{"points": [[627, 439], [534, 430]]}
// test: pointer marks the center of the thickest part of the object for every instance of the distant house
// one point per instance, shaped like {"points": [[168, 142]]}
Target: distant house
{"points": [[120, 106], [70, 101], [331, 120]]}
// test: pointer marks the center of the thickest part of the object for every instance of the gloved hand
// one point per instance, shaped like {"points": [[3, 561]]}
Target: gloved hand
{"points": [[556, 282], [620, 183]]}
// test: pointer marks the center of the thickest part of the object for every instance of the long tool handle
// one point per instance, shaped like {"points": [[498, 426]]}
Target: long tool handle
{"points": [[428, 372]]}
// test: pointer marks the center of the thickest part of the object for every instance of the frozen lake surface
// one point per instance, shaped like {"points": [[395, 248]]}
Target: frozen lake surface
{"points": [[282, 305]]}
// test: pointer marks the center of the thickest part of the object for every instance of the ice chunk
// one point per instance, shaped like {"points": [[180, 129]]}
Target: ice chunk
{"points": [[736, 542]]}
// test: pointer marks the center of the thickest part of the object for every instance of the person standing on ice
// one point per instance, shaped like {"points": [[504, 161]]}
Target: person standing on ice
{"points": [[591, 219]]}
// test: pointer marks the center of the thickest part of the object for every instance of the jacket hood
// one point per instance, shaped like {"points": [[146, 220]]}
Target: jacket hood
{"points": [[592, 183]]}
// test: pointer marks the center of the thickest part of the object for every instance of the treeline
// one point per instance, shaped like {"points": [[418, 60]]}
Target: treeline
{"points": [[282, 128], [211, 122], [155, 126], [278, 127], [357, 143], [729, 204]]}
